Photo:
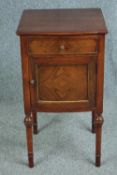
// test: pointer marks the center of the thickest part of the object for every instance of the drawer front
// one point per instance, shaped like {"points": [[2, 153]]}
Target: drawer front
{"points": [[62, 45]]}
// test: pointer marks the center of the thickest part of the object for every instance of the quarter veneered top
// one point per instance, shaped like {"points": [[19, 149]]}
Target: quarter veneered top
{"points": [[62, 21]]}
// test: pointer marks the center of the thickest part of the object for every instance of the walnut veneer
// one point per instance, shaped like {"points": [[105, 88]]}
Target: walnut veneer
{"points": [[62, 55]]}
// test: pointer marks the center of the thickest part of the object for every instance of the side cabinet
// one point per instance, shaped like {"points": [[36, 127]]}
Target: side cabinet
{"points": [[62, 55]]}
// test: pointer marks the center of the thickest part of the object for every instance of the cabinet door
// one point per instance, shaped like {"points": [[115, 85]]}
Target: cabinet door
{"points": [[63, 84]]}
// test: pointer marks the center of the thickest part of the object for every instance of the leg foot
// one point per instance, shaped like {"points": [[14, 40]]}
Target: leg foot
{"points": [[30, 160], [98, 125], [93, 122], [35, 124], [28, 121], [97, 161]]}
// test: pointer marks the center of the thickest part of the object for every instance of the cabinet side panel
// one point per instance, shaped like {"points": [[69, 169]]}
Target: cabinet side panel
{"points": [[100, 74], [25, 75]]}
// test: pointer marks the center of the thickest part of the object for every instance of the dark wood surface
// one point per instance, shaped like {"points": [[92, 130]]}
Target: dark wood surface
{"points": [[62, 73], [62, 21], [63, 45], [58, 83], [72, 84]]}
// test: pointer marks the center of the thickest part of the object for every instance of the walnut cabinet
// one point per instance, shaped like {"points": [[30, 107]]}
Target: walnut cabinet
{"points": [[62, 56]]}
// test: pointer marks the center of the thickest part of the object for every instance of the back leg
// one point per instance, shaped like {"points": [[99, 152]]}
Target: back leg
{"points": [[93, 120], [35, 124]]}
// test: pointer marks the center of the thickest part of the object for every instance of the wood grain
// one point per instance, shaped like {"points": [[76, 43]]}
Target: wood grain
{"points": [[62, 83], [62, 22], [63, 45], [25, 76]]}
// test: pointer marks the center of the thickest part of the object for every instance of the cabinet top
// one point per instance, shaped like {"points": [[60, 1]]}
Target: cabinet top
{"points": [[62, 21]]}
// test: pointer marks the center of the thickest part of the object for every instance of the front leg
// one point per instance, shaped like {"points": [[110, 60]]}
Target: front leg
{"points": [[28, 121], [98, 126]]}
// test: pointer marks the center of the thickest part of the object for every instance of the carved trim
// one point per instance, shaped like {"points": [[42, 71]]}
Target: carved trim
{"points": [[99, 120], [30, 158], [28, 121], [30, 155]]}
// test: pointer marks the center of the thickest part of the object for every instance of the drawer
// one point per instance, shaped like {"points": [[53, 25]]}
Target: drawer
{"points": [[62, 45]]}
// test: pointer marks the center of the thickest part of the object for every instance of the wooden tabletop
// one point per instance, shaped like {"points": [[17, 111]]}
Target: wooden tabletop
{"points": [[62, 21]]}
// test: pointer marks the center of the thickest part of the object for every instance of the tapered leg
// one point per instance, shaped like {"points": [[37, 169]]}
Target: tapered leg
{"points": [[29, 124], [98, 125], [35, 124], [93, 122]]}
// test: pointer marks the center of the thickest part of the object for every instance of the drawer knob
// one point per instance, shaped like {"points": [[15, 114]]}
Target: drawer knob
{"points": [[32, 82], [62, 47]]}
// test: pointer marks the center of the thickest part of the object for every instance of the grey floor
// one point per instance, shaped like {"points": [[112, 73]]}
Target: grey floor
{"points": [[64, 146]]}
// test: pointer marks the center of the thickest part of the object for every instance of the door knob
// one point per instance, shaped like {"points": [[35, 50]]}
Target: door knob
{"points": [[62, 47]]}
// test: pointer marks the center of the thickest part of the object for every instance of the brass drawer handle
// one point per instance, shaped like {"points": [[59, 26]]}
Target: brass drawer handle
{"points": [[32, 82], [62, 47]]}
